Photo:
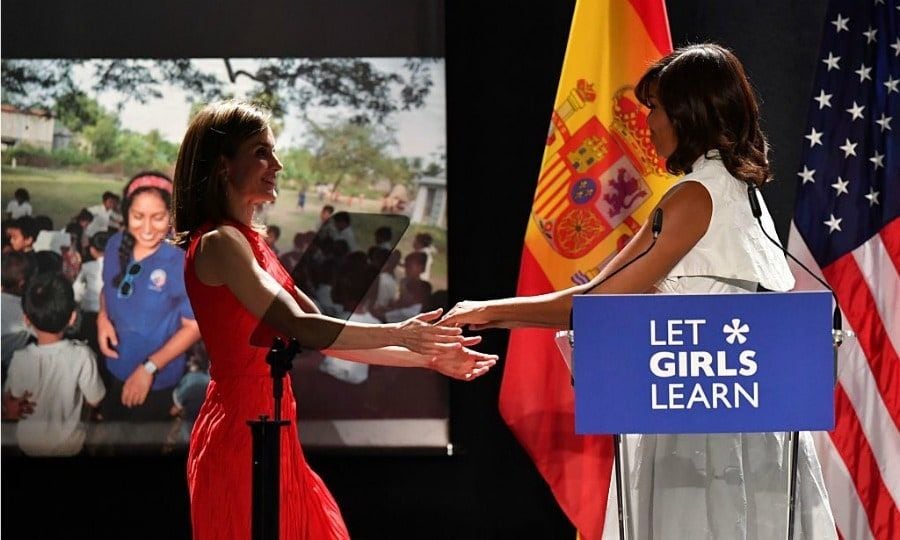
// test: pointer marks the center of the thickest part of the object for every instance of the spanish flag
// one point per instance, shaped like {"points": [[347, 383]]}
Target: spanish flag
{"points": [[599, 180]]}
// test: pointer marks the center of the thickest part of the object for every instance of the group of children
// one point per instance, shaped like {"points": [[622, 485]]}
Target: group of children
{"points": [[51, 286]]}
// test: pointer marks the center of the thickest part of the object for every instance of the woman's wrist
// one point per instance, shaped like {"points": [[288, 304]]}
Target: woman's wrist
{"points": [[393, 335]]}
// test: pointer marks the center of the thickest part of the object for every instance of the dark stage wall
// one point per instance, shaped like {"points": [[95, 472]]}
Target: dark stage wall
{"points": [[503, 61]]}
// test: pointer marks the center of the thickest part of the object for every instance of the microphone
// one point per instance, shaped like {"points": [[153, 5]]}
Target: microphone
{"points": [[656, 222], [837, 322]]}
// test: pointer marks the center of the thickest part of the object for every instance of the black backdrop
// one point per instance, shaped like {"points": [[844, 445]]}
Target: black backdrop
{"points": [[503, 62]]}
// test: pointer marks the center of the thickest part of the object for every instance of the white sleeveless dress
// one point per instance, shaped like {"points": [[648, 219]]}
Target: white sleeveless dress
{"points": [[724, 486]]}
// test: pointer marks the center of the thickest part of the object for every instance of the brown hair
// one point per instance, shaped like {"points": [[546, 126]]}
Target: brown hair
{"points": [[216, 131], [711, 105]]}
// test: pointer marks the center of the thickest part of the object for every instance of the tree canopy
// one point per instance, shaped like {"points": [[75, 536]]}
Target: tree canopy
{"points": [[279, 83]]}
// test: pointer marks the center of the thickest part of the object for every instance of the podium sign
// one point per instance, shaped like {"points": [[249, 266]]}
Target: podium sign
{"points": [[703, 363]]}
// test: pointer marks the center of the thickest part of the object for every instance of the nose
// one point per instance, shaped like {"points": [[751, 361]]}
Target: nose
{"points": [[276, 163]]}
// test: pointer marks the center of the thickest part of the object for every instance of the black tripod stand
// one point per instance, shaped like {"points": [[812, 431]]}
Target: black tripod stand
{"points": [[267, 448]]}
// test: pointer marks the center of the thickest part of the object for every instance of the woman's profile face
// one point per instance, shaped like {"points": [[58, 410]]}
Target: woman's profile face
{"points": [[252, 171], [662, 134], [148, 220]]}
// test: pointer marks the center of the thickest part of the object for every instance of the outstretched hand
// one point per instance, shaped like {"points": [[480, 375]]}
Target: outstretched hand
{"points": [[464, 363], [419, 335], [472, 314]]}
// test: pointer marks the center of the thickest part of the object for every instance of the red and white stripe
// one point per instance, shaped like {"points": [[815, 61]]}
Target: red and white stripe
{"points": [[861, 457]]}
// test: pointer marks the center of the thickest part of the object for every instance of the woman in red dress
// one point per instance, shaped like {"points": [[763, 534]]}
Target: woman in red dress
{"points": [[226, 168]]}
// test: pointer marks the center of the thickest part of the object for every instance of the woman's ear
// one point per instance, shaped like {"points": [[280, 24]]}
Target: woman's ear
{"points": [[73, 318], [222, 168]]}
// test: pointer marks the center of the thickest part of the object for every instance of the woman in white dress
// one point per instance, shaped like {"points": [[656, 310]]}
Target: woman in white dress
{"points": [[704, 119]]}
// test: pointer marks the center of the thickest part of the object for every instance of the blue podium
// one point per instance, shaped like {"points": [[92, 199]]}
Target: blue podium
{"points": [[680, 364]]}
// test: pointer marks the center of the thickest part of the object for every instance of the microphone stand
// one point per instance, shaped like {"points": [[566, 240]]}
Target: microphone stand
{"points": [[621, 480], [837, 333], [266, 435]]}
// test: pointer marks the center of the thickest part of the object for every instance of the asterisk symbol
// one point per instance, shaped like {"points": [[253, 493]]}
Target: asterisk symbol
{"points": [[736, 331]]}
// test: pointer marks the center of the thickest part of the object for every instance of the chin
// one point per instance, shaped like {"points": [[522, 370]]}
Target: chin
{"points": [[148, 245]]}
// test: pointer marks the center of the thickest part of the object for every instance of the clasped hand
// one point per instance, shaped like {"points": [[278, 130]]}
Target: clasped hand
{"points": [[448, 348], [472, 314], [464, 363]]}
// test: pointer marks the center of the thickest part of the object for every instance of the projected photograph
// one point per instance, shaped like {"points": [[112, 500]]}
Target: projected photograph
{"points": [[358, 138]]}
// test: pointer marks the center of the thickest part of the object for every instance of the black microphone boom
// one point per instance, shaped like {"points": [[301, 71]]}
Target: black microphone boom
{"points": [[837, 322], [656, 223]]}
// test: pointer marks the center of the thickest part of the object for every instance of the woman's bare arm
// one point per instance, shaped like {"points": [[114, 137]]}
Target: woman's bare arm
{"points": [[224, 257], [464, 363], [687, 210]]}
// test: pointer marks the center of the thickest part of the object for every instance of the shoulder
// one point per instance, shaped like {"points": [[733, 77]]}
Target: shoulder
{"points": [[687, 208], [27, 352], [223, 245], [78, 349], [112, 245], [171, 252], [690, 194], [224, 237], [24, 358]]}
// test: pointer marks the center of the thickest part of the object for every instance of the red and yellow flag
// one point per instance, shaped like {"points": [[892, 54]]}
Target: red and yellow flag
{"points": [[599, 180]]}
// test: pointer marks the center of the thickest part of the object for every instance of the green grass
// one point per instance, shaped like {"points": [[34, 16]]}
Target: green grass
{"points": [[59, 194]]}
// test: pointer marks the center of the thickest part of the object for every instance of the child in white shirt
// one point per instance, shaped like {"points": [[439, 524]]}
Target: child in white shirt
{"points": [[49, 383]]}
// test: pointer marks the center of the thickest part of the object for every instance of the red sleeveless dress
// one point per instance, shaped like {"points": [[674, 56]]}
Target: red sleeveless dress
{"points": [[219, 457]]}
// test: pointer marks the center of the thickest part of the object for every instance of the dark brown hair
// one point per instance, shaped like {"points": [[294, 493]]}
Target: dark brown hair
{"points": [[216, 131], [711, 105]]}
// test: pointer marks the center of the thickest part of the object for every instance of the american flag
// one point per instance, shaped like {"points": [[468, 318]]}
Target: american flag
{"points": [[845, 225]]}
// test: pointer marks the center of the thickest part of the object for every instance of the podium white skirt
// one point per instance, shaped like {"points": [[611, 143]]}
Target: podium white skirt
{"points": [[723, 486]]}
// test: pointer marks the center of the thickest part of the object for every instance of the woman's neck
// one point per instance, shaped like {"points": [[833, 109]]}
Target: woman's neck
{"points": [[241, 212]]}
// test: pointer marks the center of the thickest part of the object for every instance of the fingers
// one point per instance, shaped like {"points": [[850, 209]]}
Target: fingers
{"points": [[26, 407], [470, 341], [438, 340], [108, 351], [430, 315], [133, 398], [477, 371], [450, 320]]}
